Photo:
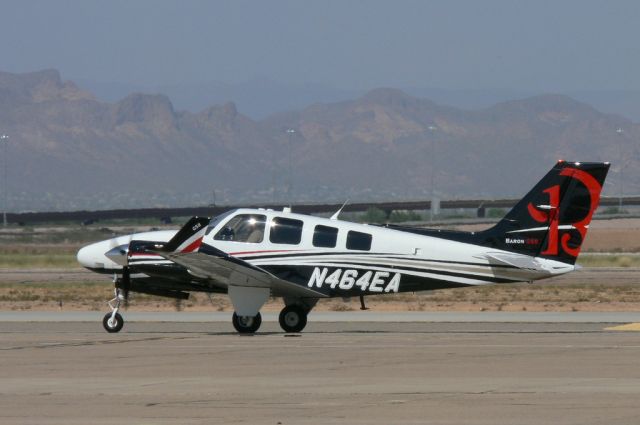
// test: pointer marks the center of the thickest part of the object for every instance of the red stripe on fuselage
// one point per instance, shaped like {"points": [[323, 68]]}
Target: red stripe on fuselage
{"points": [[261, 252]]}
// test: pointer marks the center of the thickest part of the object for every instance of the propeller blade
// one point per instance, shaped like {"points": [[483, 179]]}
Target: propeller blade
{"points": [[126, 282]]}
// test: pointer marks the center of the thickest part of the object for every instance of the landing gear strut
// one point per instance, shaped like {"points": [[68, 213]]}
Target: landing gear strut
{"points": [[247, 324], [113, 322], [293, 318]]}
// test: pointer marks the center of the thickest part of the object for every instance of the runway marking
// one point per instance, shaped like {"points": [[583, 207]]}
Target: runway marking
{"points": [[232, 347], [627, 327], [89, 343]]}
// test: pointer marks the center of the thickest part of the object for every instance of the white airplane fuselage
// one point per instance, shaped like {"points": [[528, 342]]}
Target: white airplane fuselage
{"points": [[252, 254], [395, 261]]}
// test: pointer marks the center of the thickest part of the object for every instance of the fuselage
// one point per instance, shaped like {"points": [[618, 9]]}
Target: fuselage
{"points": [[335, 257]]}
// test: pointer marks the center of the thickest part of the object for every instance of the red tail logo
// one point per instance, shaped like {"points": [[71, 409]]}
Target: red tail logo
{"points": [[552, 216]]}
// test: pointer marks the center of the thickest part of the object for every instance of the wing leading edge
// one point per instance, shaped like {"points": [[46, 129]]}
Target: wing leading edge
{"points": [[225, 270]]}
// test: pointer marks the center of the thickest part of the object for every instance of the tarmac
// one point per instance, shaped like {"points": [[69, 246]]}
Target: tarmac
{"points": [[464, 368], [333, 316]]}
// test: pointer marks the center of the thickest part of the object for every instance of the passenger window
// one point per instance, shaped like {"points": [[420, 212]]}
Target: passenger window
{"points": [[325, 236], [359, 241], [243, 228], [285, 230]]}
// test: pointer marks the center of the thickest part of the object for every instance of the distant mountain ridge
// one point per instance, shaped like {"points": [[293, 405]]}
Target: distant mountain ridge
{"points": [[262, 97], [68, 150]]}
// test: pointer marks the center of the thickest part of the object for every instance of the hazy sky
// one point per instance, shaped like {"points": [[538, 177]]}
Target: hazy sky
{"points": [[539, 45]]}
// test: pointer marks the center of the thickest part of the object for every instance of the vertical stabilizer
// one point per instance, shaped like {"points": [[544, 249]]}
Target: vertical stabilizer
{"points": [[552, 220]]}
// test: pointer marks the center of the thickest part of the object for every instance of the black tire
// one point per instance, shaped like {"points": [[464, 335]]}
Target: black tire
{"points": [[293, 318], [246, 324], [113, 327]]}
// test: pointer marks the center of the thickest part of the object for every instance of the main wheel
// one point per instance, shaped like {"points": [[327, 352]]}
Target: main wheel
{"points": [[114, 325], [293, 318], [247, 324]]}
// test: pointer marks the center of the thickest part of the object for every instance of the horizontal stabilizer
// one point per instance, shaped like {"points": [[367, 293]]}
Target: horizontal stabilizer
{"points": [[519, 261]]}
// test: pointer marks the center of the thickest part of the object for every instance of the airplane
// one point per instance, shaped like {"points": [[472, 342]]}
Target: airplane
{"points": [[254, 254]]}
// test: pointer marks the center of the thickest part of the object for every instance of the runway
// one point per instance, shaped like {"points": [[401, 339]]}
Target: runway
{"points": [[333, 316], [343, 372]]}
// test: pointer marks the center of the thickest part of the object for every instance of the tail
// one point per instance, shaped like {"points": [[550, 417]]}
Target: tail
{"points": [[188, 239], [552, 220]]}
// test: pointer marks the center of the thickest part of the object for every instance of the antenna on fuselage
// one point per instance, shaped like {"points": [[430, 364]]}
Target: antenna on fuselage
{"points": [[337, 213], [362, 306]]}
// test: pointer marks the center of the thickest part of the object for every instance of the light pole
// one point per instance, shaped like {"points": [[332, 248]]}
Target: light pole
{"points": [[432, 130], [620, 133], [290, 132], [4, 139]]}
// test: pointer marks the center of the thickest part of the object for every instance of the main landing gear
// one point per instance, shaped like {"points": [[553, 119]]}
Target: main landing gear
{"points": [[293, 318], [247, 324]]}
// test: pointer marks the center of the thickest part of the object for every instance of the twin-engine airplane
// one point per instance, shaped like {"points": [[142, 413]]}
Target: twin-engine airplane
{"points": [[252, 254]]}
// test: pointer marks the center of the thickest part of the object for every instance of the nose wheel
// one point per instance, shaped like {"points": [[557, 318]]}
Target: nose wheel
{"points": [[293, 318], [113, 322]]}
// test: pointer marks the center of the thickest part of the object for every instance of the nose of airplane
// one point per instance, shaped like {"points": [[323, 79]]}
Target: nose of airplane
{"points": [[93, 257], [88, 257], [118, 254]]}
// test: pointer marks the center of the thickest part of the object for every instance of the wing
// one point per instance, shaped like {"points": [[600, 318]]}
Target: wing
{"points": [[226, 270]]}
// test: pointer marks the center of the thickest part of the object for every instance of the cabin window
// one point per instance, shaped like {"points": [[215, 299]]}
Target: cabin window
{"points": [[359, 241], [325, 236], [243, 228], [286, 231]]}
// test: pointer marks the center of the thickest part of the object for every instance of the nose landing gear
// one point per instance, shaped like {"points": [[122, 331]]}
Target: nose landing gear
{"points": [[113, 322]]}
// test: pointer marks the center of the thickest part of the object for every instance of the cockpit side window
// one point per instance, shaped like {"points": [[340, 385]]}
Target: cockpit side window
{"points": [[243, 228], [286, 231]]}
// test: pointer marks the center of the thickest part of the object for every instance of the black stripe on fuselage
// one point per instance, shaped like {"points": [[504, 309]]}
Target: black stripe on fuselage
{"points": [[390, 255], [300, 275], [407, 270], [102, 270]]}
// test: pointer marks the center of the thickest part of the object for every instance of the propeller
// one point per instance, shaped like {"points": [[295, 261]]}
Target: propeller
{"points": [[118, 250], [126, 283]]}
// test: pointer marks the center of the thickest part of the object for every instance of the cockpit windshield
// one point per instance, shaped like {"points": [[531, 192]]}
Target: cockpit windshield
{"points": [[243, 228], [216, 220]]}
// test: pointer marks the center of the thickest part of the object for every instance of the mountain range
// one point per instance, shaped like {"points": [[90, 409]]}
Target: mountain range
{"points": [[68, 150], [261, 97]]}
